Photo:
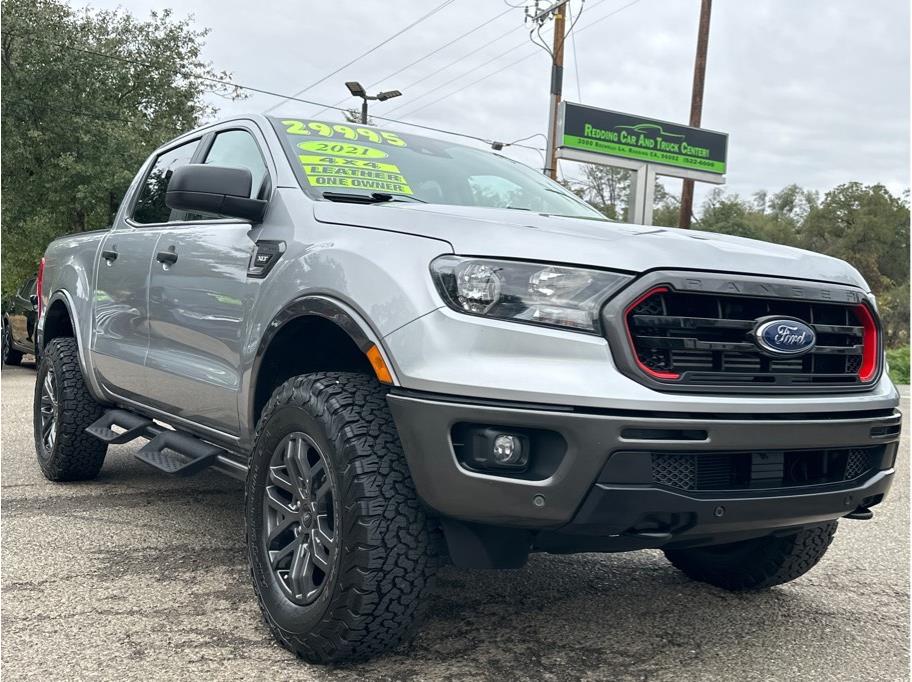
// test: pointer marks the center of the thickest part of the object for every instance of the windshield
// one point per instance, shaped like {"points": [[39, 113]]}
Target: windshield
{"points": [[350, 159]]}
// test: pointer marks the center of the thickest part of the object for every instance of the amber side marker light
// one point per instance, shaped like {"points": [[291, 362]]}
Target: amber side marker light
{"points": [[380, 369]]}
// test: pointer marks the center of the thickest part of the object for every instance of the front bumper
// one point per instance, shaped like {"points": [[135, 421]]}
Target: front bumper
{"points": [[576, 497]]}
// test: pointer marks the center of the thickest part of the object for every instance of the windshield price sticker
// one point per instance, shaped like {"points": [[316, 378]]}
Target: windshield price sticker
{"points": [[633, 137], [334, 171], [372, 185], [346, 132]]}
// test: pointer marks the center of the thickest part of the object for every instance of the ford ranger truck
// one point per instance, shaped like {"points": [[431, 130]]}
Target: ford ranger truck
{"points": [[416, 352]]}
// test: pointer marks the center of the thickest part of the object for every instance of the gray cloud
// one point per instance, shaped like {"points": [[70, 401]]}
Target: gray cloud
{"points": [[813, 92]]}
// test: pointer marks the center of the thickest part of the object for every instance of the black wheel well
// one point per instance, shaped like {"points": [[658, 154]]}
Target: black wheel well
{"points": [[57, 323], [305, 344]]}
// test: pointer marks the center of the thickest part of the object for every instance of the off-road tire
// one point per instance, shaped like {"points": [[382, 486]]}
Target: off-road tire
{"points": [[756, 564], [75, 455], [11, 356], [384, 567]]}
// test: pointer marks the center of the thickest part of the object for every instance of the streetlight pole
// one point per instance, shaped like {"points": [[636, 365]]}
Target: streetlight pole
{"points": [[356, 89]]}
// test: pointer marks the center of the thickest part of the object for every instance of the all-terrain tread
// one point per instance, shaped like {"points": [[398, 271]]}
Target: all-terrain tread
{"points": [[390, 545], [77, 456], [762, 564]]}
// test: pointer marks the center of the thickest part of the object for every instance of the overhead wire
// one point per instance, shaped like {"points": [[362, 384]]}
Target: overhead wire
{"points": [[262, 91], [428, 55], [376, 47], [412, 112]]}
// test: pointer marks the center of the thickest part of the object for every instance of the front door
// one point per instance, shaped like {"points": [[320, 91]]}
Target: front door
{"points": [[120, 331], [200, 297]]}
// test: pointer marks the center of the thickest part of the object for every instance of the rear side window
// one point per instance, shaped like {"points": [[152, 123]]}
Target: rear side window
{"points": [[150, 205], [238, 149], [28, 288]]}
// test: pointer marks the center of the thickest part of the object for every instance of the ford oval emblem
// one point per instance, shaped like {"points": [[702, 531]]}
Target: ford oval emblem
{"points": [[785, 336]]}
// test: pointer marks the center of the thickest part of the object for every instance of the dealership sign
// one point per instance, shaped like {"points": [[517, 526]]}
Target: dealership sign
{"points": [[611, 133]]}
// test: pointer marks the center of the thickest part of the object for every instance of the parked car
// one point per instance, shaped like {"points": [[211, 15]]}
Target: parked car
{"points": [[414, 352], [20, 313]]}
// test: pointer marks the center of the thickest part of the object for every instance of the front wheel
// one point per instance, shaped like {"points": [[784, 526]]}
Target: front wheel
{"points": [[342, 553], [756, 564]]}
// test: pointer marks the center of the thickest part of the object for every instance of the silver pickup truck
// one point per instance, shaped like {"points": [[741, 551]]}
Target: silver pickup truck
{"points": [[417, 352]]}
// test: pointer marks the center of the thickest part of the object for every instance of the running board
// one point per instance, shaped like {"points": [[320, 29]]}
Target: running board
{"points": [[130, 426], [173, 452], [178, 454]]}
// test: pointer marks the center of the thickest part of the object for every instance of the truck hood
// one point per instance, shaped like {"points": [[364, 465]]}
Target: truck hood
{"points": [[506, 233]]}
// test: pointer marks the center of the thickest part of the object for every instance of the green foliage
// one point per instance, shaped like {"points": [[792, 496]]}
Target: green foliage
{"points": [[862, 224], [76, 126], [898, 359]]}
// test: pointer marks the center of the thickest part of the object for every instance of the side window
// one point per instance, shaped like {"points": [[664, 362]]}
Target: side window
{"points": [[27, 288], [150, 205], [237, 148]]}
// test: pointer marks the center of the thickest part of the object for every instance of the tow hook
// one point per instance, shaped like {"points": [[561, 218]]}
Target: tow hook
{"points": [[860, 514]]}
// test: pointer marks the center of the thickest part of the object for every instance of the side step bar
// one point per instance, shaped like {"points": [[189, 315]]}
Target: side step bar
{"points": [[173, 452]]}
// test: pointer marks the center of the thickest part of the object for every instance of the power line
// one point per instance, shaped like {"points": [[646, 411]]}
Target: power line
{"points": [[475, 82], [367, 52], [429, 54], [449, 82], [450, 64], [262, 91], [595, 3], [494, 73], [579, 89]]}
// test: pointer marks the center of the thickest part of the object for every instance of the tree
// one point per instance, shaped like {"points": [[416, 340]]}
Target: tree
{"points": [[354, 116], [86, 96], [605, 188], [866, 225]]}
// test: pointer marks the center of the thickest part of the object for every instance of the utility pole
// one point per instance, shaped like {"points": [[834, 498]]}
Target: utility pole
{"points": [[696, 105], [557, 8], [557, 84]]}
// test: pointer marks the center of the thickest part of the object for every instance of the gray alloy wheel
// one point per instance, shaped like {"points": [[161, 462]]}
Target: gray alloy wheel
{"points": [[301, 538], [48, 410]]}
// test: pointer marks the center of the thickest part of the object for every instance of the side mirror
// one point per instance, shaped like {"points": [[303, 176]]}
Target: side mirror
{"points": [[33, 299], [214, 189]]}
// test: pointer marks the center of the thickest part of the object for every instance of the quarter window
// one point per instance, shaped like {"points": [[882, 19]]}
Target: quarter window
{"points": [[150, 205]]}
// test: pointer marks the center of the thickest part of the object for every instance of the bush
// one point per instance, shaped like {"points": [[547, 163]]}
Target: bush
{"points": [[898, 359]]}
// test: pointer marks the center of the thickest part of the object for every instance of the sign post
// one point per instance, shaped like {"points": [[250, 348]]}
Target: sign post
{"points": [[646, 146]]}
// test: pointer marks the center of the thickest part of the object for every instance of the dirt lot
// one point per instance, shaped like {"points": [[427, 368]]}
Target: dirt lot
{"points": [[138, 576]]}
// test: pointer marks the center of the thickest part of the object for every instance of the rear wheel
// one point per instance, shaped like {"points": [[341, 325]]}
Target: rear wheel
{"points": [[342, 554], [10, 355], [62, 410], [756, 564]]}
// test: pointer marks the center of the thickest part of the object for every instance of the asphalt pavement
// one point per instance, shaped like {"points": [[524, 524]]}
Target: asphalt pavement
{"points": [[140, 576]]}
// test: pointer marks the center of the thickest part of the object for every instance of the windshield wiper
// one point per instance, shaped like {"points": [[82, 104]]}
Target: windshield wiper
{"points": [[372, 198]]}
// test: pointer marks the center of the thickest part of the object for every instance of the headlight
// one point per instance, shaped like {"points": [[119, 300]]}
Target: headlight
{"points": [[552, 295]]}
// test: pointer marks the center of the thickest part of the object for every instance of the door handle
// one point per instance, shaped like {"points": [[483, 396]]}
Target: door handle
{"points": [[109, 255], [166, 257]]}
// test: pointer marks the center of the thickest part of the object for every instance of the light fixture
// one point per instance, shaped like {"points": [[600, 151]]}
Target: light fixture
{"points": [[356, 89]]}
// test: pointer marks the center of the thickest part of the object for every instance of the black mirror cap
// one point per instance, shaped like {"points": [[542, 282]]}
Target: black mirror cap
{"points": [[221, 190], [33, 299]]}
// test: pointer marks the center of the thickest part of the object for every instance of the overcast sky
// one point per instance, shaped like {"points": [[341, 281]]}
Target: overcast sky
{"points": [[814, 92]]}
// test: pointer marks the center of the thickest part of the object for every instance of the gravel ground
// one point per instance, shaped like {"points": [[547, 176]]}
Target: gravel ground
{"points": [[138, 576]]}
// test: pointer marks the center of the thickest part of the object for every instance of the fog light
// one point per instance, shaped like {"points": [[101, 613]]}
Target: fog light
{"points": [[507, 449], [490, 448]]}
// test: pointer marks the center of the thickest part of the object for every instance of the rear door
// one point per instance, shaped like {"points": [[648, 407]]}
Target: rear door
{"points": [[199, 304], [120, 334]]}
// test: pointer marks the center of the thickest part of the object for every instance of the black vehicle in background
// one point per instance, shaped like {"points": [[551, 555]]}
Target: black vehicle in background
{"points": [[20, 312]]}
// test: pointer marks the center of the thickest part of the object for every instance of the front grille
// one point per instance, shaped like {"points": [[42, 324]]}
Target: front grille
{"points": [[765, 469], [707, 339]]}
